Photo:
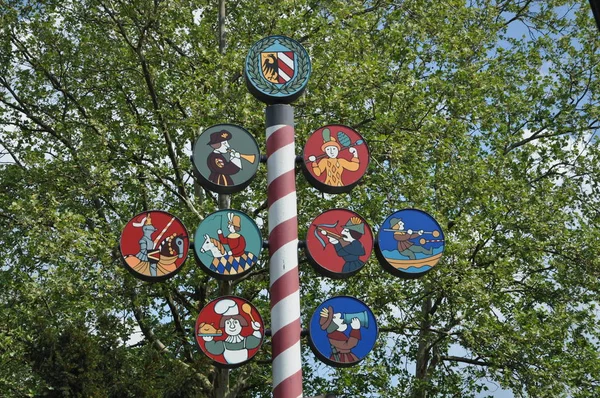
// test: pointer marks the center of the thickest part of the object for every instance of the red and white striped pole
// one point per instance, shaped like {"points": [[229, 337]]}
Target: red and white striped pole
{"points": [[283, 248]]}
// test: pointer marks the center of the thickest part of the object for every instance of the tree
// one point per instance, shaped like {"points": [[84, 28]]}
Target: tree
{"points": [[482, 113]]}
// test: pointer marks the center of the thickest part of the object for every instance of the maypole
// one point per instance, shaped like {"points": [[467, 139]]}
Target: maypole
{"points": [[283, 249], [342, 329], [277, 71]]}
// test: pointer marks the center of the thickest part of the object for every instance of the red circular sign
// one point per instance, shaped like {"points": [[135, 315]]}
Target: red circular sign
{"points": [[339, 243], [335, 158], [154, 245], [230, 331]]}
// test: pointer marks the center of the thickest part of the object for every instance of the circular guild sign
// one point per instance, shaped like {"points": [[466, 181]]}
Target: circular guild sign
{"points": [[277, 69], [230, 331], [227, 244], [335, 158], [225, 158], [339, 243], [154, 245], [342, 331], [410, 243]]}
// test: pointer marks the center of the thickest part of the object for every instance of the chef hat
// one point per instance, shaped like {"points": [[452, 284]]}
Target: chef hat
{"points": [[227, 307]]}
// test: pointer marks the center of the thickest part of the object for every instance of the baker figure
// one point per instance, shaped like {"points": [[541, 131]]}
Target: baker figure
{"points": [[235, 347]]}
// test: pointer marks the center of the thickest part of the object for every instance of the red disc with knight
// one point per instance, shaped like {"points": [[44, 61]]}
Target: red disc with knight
{"points": [[338, 243], [154, 245], [230, 331], [335, 158]]}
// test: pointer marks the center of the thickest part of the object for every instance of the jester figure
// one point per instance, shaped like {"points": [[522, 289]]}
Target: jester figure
{"points": [[330, 163]]}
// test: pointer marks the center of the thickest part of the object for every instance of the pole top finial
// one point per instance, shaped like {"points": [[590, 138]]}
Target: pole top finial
{"points": [[277, 70]]}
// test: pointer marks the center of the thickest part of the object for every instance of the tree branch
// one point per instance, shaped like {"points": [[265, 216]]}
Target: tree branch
{"points": [[477, 362], [138, 51], [160, 347]]}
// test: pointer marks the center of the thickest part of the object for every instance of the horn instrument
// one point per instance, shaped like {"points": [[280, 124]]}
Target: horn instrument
{"points": [[248, 158], [362, 317]]}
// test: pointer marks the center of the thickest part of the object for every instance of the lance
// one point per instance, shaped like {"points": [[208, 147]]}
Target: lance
{"points": [[163, 231]]}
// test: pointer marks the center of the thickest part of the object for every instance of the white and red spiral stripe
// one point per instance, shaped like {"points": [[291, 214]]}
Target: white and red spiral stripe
{"points": [[283, 248], [285, 66]]}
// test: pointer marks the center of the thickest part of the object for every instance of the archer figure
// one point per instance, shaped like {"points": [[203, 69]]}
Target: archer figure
{"points": [[347, 245]]}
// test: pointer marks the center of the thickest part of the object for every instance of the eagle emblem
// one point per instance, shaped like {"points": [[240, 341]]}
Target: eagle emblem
{"points": [[277, 69], [278, 66]]}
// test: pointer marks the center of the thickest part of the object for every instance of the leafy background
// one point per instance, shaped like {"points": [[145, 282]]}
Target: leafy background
{"points": [[482, 113]]}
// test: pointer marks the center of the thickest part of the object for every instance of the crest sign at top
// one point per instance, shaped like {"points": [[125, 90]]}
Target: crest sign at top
{"points": [[277, 69]]}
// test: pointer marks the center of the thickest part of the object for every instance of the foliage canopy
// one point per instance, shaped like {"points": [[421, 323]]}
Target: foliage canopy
{"points": [[483, 113]]}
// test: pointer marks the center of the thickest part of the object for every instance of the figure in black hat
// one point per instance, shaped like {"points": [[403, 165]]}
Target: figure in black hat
{"points": [[220, 168]]}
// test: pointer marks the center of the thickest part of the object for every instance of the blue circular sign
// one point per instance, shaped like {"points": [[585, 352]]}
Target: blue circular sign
{"points": [[277, 69], [410, 243], [342, 331]]}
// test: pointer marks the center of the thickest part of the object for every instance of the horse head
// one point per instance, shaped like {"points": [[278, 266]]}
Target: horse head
{"points": [[179, 243], [213, 246], [206, 244], [173, 245]]}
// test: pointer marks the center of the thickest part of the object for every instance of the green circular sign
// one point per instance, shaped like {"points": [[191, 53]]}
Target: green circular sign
{"points": [[277, 69], [225, 158], [227, 244]]}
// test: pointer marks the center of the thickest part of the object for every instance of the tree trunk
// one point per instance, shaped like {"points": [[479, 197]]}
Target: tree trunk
{"points": [[222, 375], [423, 352], [222, 26]]}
